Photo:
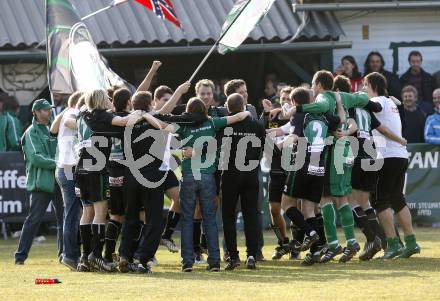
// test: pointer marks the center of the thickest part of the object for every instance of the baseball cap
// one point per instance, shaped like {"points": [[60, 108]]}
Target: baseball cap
{"points": [[41, 104]]}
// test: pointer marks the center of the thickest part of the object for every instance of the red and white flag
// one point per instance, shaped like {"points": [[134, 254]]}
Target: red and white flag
{"points": [[163, 9]]}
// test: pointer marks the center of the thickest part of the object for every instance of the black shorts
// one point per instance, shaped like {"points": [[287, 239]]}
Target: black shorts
{"points": [[116, 203], [390, 184], [361, 179], [276, 186], [170, 181], [303, 186], [93, 187]]}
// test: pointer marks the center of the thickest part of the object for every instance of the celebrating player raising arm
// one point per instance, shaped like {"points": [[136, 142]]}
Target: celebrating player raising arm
{"points": [[146, 83]]}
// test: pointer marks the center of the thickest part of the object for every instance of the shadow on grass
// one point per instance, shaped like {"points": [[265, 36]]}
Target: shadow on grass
{"points": [[415, 263], [287, 271]]}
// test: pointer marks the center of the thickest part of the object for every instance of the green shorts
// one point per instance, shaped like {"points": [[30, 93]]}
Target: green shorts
{"points": [[338, 172]]}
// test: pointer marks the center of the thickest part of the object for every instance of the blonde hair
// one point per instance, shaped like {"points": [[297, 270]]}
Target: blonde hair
{"points": [[96, 99], [73, 99], [205, 83], [81, 102]]}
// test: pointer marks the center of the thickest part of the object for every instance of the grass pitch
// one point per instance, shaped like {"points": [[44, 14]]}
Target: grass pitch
{"points": [[417, 278]]}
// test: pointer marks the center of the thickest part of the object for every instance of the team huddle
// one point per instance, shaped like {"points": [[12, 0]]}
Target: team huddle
{"points": [[331, 153]]}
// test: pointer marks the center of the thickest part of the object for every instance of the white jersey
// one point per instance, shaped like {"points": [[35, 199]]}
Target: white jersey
{"points": [[287, 129], [67, 139], [389, 117], [165, 166]]}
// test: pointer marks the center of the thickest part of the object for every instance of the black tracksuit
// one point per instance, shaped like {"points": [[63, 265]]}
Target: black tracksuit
{"points": [[138, 194], [237, 184]]}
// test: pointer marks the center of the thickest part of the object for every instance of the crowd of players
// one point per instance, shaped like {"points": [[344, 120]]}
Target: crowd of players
{"points": [[117, 152]]}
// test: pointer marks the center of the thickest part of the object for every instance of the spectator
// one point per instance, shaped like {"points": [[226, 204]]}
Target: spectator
{"points": [[280, 87], [272, 77], [220, 97], [306, 86], [418, 77], [436, 80], [432, 126], [426, 106], [270, 91], [349, 68], [39, 149], [414, 116], [15, 127], [376, 63], [59, 103], [3, 122]]}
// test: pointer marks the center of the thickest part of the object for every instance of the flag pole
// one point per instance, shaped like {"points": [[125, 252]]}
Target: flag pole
{"points": [[215, 44], [47, 50], [204, 61], [97, 12]]}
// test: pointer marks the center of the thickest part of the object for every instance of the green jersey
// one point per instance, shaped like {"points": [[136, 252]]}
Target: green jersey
{"points": [[117, 150], [84, 138], [216, 112], [84, 132], [366, 122], [314, 128], [198, 138], [326, 102]]}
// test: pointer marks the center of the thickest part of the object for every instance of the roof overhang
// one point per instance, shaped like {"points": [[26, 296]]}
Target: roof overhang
{"points": [[366, 6], [36, 55]]}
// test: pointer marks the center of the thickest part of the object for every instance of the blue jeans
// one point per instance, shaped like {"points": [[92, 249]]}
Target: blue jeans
{"points": [[64, 177], [205, 188], [39, 203]]}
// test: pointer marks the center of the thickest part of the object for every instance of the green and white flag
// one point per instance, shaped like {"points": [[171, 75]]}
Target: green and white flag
{"points": [[73, 60], [241, 20]]}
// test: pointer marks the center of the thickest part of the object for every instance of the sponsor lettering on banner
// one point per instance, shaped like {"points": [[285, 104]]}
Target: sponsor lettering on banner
{"points": [[422, 186], [14, 198]]}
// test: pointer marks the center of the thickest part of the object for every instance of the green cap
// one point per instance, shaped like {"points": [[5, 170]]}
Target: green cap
{"points": [[41, 104]]}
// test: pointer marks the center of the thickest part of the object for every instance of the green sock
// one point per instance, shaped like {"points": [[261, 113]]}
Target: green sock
{"points": [[329, 216], [392, 242], [410, 240], [347, 222]]}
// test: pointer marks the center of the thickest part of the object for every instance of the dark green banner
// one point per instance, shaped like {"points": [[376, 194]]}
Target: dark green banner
{"points": [[423, 183], [73, 60]]}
